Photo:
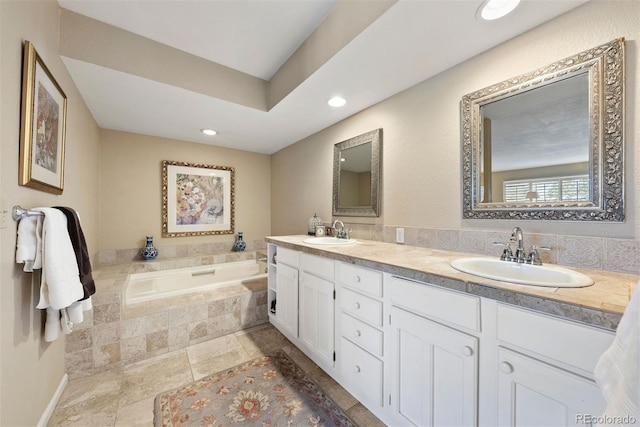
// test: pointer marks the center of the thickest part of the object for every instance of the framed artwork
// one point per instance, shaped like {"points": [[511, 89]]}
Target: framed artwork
{"points": [[197, 199], [42, 128]]}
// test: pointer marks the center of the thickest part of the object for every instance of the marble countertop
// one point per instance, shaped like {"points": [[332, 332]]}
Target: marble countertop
{"points": [[600, 304]]}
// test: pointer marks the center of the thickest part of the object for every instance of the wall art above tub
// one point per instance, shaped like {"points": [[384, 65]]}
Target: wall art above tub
{"points": [[197, 199]]}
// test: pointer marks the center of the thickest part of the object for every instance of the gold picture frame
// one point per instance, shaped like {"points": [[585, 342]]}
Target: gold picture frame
{"points": [[197, 199], [42, 127]]}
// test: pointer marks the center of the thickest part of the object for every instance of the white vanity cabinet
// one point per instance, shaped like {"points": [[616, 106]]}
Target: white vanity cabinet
{"points": [[283, 289], [360, 331], [434, 368], [545, 367], [316, 308], [418, 354], [302, 287]]}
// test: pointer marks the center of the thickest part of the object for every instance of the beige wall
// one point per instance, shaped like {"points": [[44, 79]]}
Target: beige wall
{"points": [[131, 193], [30, 369], [421, 147]]}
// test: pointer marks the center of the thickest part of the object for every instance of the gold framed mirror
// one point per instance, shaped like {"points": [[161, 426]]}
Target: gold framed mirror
{"points": [[548, 144], [356, 175]]}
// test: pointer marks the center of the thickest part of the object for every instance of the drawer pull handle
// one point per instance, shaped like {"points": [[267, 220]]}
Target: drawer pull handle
{"points": [[358, 333], [357, 279], [357, 369], [357, 305], [467, 351], [506, 367]]}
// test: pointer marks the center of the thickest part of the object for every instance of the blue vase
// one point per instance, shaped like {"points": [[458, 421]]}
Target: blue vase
{"points": [[149, 252], [239, 245]]}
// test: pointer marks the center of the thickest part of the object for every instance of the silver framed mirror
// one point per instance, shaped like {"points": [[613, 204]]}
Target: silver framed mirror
{"points": [[356, 175], [548, 145]]}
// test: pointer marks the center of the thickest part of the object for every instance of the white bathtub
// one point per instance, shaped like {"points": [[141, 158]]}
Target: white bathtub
{"points": [[154, 285]]}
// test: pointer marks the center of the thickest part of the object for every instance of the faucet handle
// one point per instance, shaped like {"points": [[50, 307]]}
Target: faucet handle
{"points": [[534, 256], [507, 254]]}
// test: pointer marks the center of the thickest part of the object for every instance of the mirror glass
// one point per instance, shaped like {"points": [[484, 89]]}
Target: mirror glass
{"points": [[548, 144], [356, 170]]}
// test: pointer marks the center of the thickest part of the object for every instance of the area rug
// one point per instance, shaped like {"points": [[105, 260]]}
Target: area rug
{"points": [[268, 391]]}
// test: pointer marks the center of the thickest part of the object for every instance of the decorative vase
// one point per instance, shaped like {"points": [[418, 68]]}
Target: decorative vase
{"points": [[314, 221], [149, 252], [239, 245]]}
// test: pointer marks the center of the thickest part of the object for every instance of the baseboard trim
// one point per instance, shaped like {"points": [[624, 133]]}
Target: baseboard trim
{"points": [[46, 415]]}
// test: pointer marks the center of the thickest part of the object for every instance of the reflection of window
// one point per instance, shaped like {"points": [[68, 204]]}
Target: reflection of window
{"points": [[562, 189]]}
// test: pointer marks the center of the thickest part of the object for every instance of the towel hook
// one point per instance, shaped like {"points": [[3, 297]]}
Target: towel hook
{"points": [[17, 213]]}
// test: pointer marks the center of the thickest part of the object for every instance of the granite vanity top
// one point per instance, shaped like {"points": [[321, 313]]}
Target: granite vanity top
{"points": [[600, 304]]}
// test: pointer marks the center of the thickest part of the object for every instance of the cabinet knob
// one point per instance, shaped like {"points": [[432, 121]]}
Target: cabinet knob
{"points": [[356, 305], [358, 333], [467, 351], [506, 367], [357, 279], [357, 369]]}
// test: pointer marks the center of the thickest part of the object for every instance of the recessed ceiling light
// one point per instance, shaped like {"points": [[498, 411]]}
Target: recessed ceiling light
{"points": [[209, 132], [336, 101], [495, 9]]}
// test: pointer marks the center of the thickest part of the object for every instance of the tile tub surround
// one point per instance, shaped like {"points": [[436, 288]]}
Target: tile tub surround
{"points": [[177, 252], [601, 304], [113, 333]]}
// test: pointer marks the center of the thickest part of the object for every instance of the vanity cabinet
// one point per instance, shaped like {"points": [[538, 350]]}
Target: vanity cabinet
{"points": [[302, 287], [418, 354], [434, 367], [316, 308], [360, 329], [283, 270], [545, 367]]}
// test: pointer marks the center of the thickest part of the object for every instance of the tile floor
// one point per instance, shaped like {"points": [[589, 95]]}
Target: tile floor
{"points": [[124, 396]]}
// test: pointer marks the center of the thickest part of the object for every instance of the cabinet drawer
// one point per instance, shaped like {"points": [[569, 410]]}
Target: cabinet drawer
{"points": [[361, 306], [362, 373], [316, 265], [561, 340], [362, 334], [436, 303], [362, 279], [287, 256]]}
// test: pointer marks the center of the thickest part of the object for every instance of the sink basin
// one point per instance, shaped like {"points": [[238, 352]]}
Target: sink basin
{"points": [[328, 241], [524, 274]]}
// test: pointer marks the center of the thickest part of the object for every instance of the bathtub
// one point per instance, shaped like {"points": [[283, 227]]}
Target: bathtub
{"points": [[155, 285]]}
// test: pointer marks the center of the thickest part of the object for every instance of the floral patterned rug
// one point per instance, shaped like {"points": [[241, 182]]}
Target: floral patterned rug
{"points": [[268, 391]]}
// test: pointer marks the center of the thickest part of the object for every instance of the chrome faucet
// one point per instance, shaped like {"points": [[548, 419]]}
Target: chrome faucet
{"points": [[517, 237], [341, 233], [520, 254]]}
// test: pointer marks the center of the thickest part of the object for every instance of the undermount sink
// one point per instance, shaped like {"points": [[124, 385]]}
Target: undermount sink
{"points": [[328, 241], [524, 274]]}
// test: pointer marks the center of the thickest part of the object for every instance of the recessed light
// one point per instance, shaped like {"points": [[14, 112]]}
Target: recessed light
{"points": [[336, 101], [495, 9], [209, 132]]}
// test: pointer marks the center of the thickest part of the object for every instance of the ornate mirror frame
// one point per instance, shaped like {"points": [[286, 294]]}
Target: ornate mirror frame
{"points": [[605, 67], [373, 137]]}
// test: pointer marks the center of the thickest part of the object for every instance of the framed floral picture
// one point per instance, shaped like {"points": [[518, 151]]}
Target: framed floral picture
{"points": [[42, 127], [197, 199]]}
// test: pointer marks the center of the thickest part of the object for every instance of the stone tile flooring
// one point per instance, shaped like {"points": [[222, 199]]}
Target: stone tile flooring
{"points": [[124, 396]]}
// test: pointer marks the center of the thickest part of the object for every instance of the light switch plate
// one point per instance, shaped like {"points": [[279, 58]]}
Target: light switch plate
{"points": [[399, 235]]}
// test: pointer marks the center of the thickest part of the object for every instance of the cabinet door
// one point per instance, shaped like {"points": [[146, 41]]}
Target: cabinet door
{"points": [[317, 316], [533, 393], [287, 302], [434, 372]]}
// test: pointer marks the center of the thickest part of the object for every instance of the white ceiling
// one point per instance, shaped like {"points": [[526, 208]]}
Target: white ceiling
{"points": [[410, 42]]}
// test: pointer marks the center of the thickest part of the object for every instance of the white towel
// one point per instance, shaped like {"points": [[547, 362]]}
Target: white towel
{"points": [[618, 369], [60, 286], [29, 245]]}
